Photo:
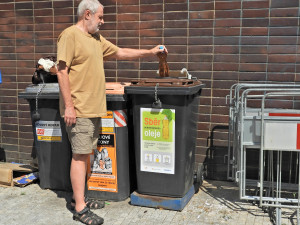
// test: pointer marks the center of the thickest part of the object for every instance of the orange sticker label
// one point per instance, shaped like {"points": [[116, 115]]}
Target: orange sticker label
{"points": [[102, 166]]}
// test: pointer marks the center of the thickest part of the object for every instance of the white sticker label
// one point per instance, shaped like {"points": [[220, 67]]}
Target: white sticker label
{"points": [[49, 131]]}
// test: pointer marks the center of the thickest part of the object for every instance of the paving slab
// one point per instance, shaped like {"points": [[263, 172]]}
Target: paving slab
{"points": [[217, 202]]}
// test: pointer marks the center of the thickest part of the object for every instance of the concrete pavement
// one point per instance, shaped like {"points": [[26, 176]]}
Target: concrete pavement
{"points": [[217, 202]]}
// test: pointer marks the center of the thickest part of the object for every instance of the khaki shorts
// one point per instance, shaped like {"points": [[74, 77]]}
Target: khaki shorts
{"points": [[84, 135]]}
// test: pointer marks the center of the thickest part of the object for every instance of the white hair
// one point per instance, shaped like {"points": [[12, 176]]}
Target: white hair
{"points": [[92, 5]]}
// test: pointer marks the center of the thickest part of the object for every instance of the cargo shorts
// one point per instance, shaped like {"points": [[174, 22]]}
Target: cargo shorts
{"points": [[84, 135]]}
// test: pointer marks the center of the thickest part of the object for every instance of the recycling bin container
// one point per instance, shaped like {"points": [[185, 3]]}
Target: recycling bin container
{"points": [[165, 115], [108, 173], [50, 138]]}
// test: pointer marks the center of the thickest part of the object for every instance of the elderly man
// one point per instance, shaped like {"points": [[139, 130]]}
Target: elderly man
{"points": [[80, 54]]}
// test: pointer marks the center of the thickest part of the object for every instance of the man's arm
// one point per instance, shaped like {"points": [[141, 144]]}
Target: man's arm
{"points": [[64, 85], [131, 54]]}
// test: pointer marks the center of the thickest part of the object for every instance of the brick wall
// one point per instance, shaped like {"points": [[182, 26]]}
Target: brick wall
{"points": [[219, 41]]}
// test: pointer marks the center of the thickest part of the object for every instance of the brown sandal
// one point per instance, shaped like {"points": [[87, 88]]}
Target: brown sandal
{"points": [[87, 217], [94, 203], [91, 203]]}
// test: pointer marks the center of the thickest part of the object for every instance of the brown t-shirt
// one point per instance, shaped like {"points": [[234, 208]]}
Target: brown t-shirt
{"points": [[84, 55]]}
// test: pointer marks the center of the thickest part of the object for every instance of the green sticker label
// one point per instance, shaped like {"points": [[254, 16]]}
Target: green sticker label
{"points": [[157, 140]]}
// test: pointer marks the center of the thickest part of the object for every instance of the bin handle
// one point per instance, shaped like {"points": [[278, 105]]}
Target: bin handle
{"points": [[157, 104], [36, 116]]}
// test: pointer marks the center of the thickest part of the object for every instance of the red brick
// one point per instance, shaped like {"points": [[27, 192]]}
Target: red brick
{"points": [[252, 67], [227, 31], [283, 40], [280, 77], [62, 4], [283, 31], [225, 66], [253, 58], [282, 67], [25, 5], [128, 2], [250, 76], [176, 16], [6, 21], [226, 49], [226, 58], [284, 4], [24, 13], [201, 23], [226, 40], [292, 12], [227, 22], [176, 7], [227, 5], [150, 1], [199, 6], [253, 49], [227, 14], [171, 24], [202, 15], [257, 31], [128, 17], [284, 22], [129, 9], [200, 58], [255, 22], [255, 40], [7, 6], [25, 20], [282, 58], [255, 13], [259, 4], [6, 14], [43, 19], [200, 66], [200, 41], [42, 4], [174, 41], [200, 49]]}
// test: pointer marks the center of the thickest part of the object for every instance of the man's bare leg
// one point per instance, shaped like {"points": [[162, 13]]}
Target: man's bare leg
{"points": [[78, 175]]}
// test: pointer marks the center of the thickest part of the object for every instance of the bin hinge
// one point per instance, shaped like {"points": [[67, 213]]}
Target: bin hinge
{"points": [[157, 104]]}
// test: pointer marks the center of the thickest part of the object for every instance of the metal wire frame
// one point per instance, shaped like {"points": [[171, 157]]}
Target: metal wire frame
{"points": [[276, 189], [234, 103]]}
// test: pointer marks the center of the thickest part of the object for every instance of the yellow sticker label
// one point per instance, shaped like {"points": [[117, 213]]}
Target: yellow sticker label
{"points": [[48, 138], [110, 115], [106, 130]]}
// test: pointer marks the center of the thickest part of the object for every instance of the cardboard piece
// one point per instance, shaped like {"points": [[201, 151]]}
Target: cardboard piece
{"points": [[6, 177], [26, 179], [7, 174], [17, 167]]}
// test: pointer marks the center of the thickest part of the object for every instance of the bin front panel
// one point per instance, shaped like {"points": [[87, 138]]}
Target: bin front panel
{"points": [[177, 184]]}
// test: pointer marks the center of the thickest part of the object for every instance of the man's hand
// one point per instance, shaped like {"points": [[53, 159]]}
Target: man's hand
{"points": [[70, 116], [159, 49]]}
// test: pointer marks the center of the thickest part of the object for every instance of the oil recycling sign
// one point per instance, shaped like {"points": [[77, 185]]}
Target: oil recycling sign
{"points": [[158, 140]]}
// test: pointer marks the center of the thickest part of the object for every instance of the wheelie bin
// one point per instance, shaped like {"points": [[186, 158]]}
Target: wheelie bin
{"points": [[165, 116]]}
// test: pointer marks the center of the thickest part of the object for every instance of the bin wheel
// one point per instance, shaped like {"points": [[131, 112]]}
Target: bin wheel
{"points": [[198, 176]]}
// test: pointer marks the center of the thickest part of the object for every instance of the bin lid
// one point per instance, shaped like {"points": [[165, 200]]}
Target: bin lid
{"points": [[47, 91], [165, 86], [115, 91]]}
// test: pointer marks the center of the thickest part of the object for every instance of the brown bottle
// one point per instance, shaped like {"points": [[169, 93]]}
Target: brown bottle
{"points": [[163, 65]]}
